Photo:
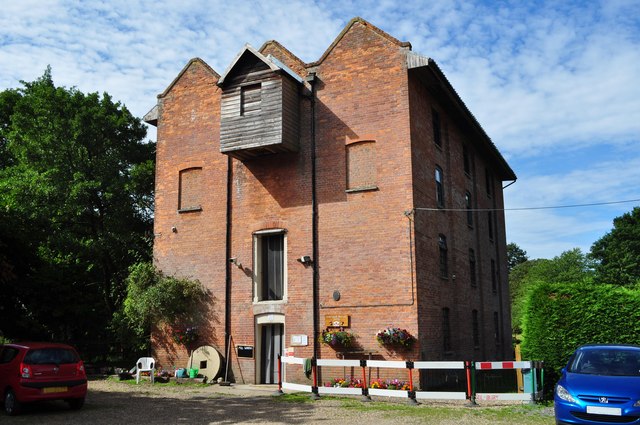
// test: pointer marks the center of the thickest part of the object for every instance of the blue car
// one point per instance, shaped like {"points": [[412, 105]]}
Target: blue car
{"points": [[600, 385]]}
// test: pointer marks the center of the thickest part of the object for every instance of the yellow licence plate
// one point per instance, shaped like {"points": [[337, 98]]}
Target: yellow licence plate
{"points": [[50, 390]]}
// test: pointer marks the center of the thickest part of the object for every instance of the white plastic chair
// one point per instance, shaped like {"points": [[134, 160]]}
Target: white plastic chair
{"points": [[145, 364]]}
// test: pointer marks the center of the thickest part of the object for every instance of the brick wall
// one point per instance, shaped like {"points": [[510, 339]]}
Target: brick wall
{"points": [[383, 263]]}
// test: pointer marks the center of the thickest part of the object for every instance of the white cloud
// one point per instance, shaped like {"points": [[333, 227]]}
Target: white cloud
{"points": [[551, 79]]}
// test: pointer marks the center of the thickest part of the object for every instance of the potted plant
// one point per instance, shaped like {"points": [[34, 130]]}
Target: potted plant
{"points": [[394, 338], [337, 338], [186, 336]]}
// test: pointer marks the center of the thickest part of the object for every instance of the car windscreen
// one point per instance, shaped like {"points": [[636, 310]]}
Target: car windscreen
{"points": [[606, 362], [51, 356]]}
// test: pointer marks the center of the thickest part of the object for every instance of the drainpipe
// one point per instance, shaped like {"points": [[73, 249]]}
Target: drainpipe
{"points": [[227, 294], [311, 79]]}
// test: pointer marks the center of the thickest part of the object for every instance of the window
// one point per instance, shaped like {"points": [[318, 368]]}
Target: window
{"points": [[494, 283], [250, 99], [437, 131], [472, 267], [476, 328], [490, 224], [444, 262], [466, 161], [439, 187], [446, 330], [489, 182], [361, 166], [469, 207], [496, 325], [8, 354], [190, 190], [269, 265]]}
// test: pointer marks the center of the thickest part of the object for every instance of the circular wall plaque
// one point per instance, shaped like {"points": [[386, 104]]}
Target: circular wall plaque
{"points": [[336, 295]]}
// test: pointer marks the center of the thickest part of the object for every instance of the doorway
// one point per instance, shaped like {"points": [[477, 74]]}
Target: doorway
{"points": [[271, 342]]}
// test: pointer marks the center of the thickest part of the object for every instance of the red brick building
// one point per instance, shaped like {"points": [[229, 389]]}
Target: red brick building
{"points": [[357, 188]]}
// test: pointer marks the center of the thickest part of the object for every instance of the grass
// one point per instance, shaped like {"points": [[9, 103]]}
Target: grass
{"points": [[538, 414]]}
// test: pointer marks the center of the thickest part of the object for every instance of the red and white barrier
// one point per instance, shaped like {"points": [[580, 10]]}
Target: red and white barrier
{"points": [[470, 367]]}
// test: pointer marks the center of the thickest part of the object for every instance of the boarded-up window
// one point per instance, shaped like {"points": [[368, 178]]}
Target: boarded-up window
{"points": [[361, 165], [250, 99], [190, 189]]}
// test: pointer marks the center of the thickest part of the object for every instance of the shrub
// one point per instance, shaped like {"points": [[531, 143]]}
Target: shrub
{"points": [[561, 317]]}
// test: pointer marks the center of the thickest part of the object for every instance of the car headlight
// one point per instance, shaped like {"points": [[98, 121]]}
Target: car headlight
{"points": [[563, 394]]}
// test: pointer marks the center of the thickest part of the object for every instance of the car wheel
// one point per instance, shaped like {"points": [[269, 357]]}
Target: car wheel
{"points": [[76, 403], [12, 406]]}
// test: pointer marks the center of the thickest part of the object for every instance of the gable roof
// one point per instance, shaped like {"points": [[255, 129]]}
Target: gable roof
{"points": [[270, 61], [368, 25], [295, 63], [430, 69], [184, 69]]}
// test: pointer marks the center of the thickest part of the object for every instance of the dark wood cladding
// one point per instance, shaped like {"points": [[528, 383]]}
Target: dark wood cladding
{"points": [[268, 125]]}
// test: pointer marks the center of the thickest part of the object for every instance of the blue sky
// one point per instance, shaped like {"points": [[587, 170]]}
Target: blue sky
{"points": [[555, 84]]}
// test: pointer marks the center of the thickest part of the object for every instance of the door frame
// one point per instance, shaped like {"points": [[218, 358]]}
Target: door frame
{"points": [[261, 320]]}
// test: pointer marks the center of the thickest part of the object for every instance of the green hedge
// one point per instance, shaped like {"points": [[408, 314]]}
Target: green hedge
{"points": [[559, 318]]}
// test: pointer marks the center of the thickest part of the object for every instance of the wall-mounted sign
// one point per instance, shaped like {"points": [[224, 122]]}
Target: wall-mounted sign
{"points": [[336, 321], [245, 351], [299, 340]]}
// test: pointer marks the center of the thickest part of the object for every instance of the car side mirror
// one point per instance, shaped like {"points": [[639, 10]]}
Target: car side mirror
{"points": [[563, 370]]}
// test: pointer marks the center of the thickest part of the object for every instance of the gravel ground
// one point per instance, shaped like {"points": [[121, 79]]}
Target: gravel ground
{"points": [[112, 402]]}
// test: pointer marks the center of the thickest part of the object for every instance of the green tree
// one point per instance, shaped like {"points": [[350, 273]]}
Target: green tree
{"points": [[76, 187], [571, 266], [617, 254], [515, 255], [155, 300]]}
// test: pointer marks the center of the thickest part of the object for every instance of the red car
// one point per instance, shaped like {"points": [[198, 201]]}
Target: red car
{"points": [[34, 371]]}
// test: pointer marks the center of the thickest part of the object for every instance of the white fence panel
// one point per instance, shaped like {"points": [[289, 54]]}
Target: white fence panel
{"points": [[440, 395], [339, 390], [388, 393], [296, 387]]}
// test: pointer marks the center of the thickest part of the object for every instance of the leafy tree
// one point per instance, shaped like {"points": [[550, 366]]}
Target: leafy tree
{"points": [[154, 300], [515, 255], [76, 183], [617, 254]]}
